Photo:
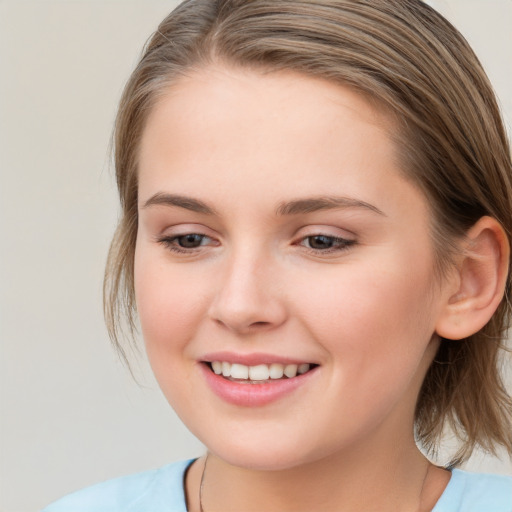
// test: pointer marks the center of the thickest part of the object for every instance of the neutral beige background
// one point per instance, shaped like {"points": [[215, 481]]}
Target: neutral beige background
{"points": [[70, 414]]}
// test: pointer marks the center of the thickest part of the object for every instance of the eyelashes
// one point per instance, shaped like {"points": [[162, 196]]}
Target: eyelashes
{"points": [[326, 243], [187, 243], [192, 243]]}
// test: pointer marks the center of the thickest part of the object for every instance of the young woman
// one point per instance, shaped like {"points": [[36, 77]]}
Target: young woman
{"points": [[315, 239]]}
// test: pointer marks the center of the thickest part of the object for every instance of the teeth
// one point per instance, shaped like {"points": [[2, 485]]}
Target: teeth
{"points": [[259, 372], [276, 371], [239, 371], [303, 368], [226, 369], [290, 370]]}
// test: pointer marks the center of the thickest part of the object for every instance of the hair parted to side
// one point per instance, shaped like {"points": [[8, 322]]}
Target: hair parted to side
{"points": [[452, 143]]}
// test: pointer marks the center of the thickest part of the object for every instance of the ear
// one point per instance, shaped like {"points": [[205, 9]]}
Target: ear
{"points": [[481, 273]]}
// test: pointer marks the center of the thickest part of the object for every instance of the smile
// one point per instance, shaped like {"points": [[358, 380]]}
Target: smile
{"points": [[257, 384], [258, 373]]}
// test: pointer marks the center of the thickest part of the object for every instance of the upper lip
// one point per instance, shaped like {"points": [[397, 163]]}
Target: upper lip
{"points": [[252, 359]]}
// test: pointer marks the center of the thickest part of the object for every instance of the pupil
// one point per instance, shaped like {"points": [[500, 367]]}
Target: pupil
{"points": [[190, 241], [320, 242]]}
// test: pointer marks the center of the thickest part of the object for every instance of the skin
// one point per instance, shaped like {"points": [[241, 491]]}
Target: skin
{"points": [[366, 311]]}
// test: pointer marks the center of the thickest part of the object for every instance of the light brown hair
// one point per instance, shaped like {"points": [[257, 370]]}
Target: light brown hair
{"points": [[452, 144]]}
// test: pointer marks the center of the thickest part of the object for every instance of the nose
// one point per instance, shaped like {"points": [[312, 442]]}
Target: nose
{"points": [[249, 296]]}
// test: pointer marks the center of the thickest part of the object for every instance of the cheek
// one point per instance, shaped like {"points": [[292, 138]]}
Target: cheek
{"points": [[375, 324], [170, 310], [376, 332], [169, 304]]}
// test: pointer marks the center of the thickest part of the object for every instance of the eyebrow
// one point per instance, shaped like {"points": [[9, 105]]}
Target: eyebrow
{"points": [[295, 207], [314, 204], [188, 203]]}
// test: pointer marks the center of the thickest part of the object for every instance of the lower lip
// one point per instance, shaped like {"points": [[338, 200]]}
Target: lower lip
{"points": [[253, 395]]}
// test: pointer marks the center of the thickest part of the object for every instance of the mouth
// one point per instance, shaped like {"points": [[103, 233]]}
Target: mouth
{"points": [[257, 379], [260, 373]]}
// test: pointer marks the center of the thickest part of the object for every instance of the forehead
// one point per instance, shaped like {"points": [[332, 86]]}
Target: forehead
{"points": [[268, 134], [246, 96]]}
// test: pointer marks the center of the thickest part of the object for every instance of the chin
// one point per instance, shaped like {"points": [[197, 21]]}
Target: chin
{"points": [[260, 460], [276, 454]]}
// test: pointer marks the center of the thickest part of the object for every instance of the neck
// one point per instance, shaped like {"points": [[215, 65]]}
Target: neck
{"points": [[355, 480]]}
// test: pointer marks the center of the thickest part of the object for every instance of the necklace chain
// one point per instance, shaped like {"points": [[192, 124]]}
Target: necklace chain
{"points": [[201, 509]]}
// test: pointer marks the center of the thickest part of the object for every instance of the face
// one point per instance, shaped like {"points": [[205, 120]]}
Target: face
{"points": [[276, 234]]}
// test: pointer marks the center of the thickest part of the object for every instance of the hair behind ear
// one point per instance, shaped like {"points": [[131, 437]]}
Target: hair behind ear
{"points": [[470, 399], [463, 388]]}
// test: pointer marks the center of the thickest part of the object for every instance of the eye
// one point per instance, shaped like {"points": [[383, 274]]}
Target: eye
{"points": [[191, 240], [326, 243], [185, 243]]}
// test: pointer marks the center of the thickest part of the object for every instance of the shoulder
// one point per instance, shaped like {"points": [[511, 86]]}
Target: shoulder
{"points": [[476, 492], [156, 490]]}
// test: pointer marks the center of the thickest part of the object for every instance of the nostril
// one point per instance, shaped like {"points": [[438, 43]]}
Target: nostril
{"points": [[241, 327], [259, 324]]}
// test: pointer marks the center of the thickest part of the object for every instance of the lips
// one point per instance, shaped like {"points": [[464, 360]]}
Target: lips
{"points": [[254, 380]]}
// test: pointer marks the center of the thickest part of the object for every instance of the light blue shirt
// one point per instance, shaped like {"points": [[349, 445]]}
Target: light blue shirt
{"points": [[161, 490]]}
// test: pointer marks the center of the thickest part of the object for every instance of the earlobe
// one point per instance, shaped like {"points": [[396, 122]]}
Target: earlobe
{"points": [[482, 273]]}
